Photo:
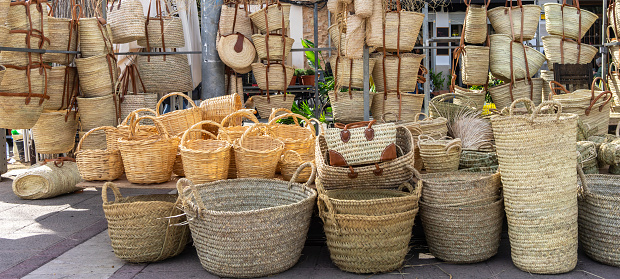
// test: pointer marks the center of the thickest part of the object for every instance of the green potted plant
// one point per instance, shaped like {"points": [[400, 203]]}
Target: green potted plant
{"points": [[296, 76], [308, 77], [438, 81]]}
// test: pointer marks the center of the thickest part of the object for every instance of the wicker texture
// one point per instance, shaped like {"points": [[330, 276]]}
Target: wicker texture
{"points": [[478, 97], [18, 115], [126, 21], [547, 76], [529, 15], [95, 141], [347, 107], [295, 138], [19, 40], [500, 57], [248, 227], [257, 153], [358, 150], [62, 37], [60, 86], [520, 89], [98, 164], [216, 109], [410, 25], [55, 132], [567, 52], [165, 73], [613, 81], [439, 155], [17, 18], [587, 157], [477, 159], [173, 35], [460, 188], [178, 121], [404, 106], [276, 46], [98, 75], [204, 160], [537, 157], [339, 37], [346, 76], [437, 128], [47, 181], [289, 163], [141, 227], [475, 24], [227, 50], [136, 101], [232, 131], [4, 10], [97, 112], [264, 105], [17, 81], [408, 80], [278, 75], [355, 36], [567, 21], [242, 24], [273, 20], [94, 38], [475, 65], [592, 106]]}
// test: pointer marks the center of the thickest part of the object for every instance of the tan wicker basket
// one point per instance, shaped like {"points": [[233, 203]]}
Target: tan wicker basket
{"points": [[178, 121], [350, 72], [21, 17], [95, 38], [401, 28], [165, 73], [126, 21], [167, 35], [403, 79], [98, 75], [216, 109], [204, 160], [347, 107], [500, 59], [55, 132], [20, 40], [404, 106], [524, 18], [233, 130], [439, 155], [296, 138], [272, 77], [61, 86], [265, 104], [97, 112], [21, 111], [569, 21], [289, 163], [566, 52], [503, 95], [475, 26], [257, 155], [477, 96], [475, 65], [98, 164], [64, 36], [277, 48], [270, 18]]}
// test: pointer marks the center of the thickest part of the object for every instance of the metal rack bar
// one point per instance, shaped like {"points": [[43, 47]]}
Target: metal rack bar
{"points": [[366, 85], [317, 98]]}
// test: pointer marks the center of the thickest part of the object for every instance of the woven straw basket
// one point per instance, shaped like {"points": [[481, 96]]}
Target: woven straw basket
{"points": [[501, 94], [18, 40], [178, 121], [477, 159], [355, 36], [97, 112], [500, 57], [599, 223], [95, 39], [234, 53], [450, 106], [500, 20], [350, 72], [270, 18], [363, 8], [60, 87], [257, 153], [47, 181], [395, 172], [204, 160], [295, 138], [587, 157], [476, 96], [475, 65], [437, 128], [4, 32], [410, 25], [4, 10], [273, 77], [568, 21], [233, 130], [131, 102], [537, 157], [126, 21], [614, 51], [404, 106], [439, 155], [97, 164], [172, 34], [265, 104], [339, 39], [569, 53], [148, 160], [165, 73], [123, 130], [98, 75], [242, 23], [266, 224], [55, 132], [95, 141], [18, 81], [548, 76], [347, 107], [63, 36], [289, 163], [276, 46], [476, 24], [16, 114], [18, 18], [144, 228], [216, 109], [408, 79], [460, 188]]}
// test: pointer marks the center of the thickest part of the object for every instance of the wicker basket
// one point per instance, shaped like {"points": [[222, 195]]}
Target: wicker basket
{"points": [[265, 104], [347, 107], [439, 155], [475, 23], [355, 36], [55, 132], [478, 97], [143, 131], [148, 160], [178, 121], [450, 106], [599, 223], [20, 18], [19, 40], [569, 21], [350, 72], [61, 86], [524, 19], [477, 159], [233, 131], [98, 75], [272, 77], [131, 102], [98, 164], [169, 33], [548, 76], [270, 18], [500, 58], [503, 97], [266, 224], [228, 24], [401, 28], [204, 160], [126, 21], [475, 65], [235, 54], [405, 106], [537, 157], [403, 79], [460, 188], [216, 109], [97, 112], [64, 36], [295, 137], [18, 113], [47, 181], [95, 38], [567, 51], [256, 155], [17, 79], [587, 157], [394, 172], [144, 228], [289, 163], [277, 48], [165, 73], [434, 127], [95, 141]]}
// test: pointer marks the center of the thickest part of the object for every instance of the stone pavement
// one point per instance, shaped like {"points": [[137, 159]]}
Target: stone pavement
{"points": [[66, 237]]}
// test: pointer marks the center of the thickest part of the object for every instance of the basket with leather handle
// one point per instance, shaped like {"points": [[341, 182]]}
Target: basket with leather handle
{"points": [[162, 31], [95, 35], [519, 21], [126, 20], [131, 97], [568, 20]]}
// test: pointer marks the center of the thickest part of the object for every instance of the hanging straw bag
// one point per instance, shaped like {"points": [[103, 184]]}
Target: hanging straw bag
{"points": [[537, 157], [568, 20], [510, 60], [547, 76], [47, 180], [64, 36], [475, 65], [98, 164], [404, 105], [236, 51], [55, 132], [165, 73], [565, 51], [126, 21], [145, 228], [519, 22], [178, 121], [503, 95], [265, 104], [355, 36], [62, 87], [393, 30], [131, 100], [162, 31], [272, 47], [436, 128], [275, 77], [613, 81], [98, 75], [95, 35], [235, 19], [216, 109], [98, 111], [257, 155], [4, 9], [347, 107], [204, 160], [22, 110], [475, 26], [28, 15], [231, 131], [148, 160], [271, 18], [263, 217], [339, 37], [439, 155], [399, 73], [350, 71]]}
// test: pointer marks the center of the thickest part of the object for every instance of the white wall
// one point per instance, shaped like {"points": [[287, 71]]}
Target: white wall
{"points": [[442, 19], [297, 33]]}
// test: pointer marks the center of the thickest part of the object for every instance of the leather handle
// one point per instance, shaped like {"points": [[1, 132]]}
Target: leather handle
{"points": [[239, 43]]}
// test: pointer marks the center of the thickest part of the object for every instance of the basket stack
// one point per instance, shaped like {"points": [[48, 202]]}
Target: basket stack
{"points": [[439, 155]]}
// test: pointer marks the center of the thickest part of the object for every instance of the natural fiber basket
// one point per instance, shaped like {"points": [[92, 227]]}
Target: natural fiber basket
{"points": [[19, 40], [276, 49], [98, 164], [204, 160], [16, 80], [144, 228], [97, 112], [613, 81], [98, 75], [265, 104], [524, 17], [48, 180], [229, 24], [289, 163], [17, 114], [339, 37], [34, 17], [178, 121], [55, 132], [537, 157], [257, 153], [405, 106], [569, 21], [148, 160], [216, 109], [404, 79], [355, 36], [478, 97], [295, 137], [450, 106], [165, 73], [131, 102], [502, 96], [439, 155], [350, 72], [403, 26], [437, 128], [347, 107], [177, 168], [587, 157], [95, 38], [477, 159], [63, 33], [394, 172], [460, 188], [270, 18], [233, 130], [475, 26], [96, 141], [500, 58], [567, 52], [599, 222], [126, 21], [4, 9], [236, 51], [144, 130], [266, 224], [475, 65], [273, 77], [170, 32], [60, 87], [462, 233], [548, 76]]}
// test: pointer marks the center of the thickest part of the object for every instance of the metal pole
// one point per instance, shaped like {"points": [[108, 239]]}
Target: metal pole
{"points": [[212, 66], [317, 98], [3, 154], [537, 37], [603, 39], [366, 85], [427, 86]]}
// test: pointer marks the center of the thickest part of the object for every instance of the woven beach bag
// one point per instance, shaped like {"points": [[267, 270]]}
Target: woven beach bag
{"points": [[355, 36], [98, 164], [401, 28], [519, 22], [393, 172], [216, 109], [178, 121], [459, 233], [339, 36], [537, 157], [272, 77], [98, 75], [504, 95], [475, 26], [126, 21], [547, 76], [55, 131], [347, 107], [587, 157], [475, 65], [568, 20], [272, 17], [257, 152], [507, 65], [165, 73], [566, 51], [21, 111], [235, 19], [28, 15], [144, 228], [63, 34], [272, 47], [47, 180], [439, 155], [400, 74], [265, 104], [204, 160], [97, 112], [163, 30], [266, 223], [350, 72], [405, 106], [61, 87], [18, 79], [21, 40], [148, 160], [460, 188], [599, 223], [236, 51], [95, 37], [233, 130]]}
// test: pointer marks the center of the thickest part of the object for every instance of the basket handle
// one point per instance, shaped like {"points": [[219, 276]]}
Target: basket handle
{"points": [[255, 129], [583, 187], [546, 104], [453, 144], [132, 115], [182, 184], [296, 117], [79, 147], [298, 172], [189, 100], [609, 96], [104, 192], [388, 113], [417, 117], [320, 124], [406, 185], [289, 154], [274, 111], [160, 128], [206, 122], [553, 88], [526, 101], [247, 113], [195, 129], [326, 209]]}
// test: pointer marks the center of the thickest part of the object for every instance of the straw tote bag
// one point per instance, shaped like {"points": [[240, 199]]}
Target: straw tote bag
{"points": [[23, 96], [474, 64], [126, 20], [95, 35], [272, 47], [4, 9], [98, 111], [519, 22], [503, 95], [64, 34], [355, 36], [360, 143], [24, 34], [350, 71], [235, 20], [475, 25], [62, 87], [570, 52], [165, 73], [272, 17], [510, 60], [401, 72], [55, 131], [613, 81], [134, 99], [568, 20], [98, 74], [162, 31], [392, 30]]}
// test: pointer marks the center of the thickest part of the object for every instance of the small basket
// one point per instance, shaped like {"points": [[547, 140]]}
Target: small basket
{"points": [[98, 164], [233, 130], [178, 121], [55, 132], [276, 46], [526, 15], [97, 112], [165, 73], [216, 109], [587, 157], [204, 160], [272, 77], [295, 137], [566, 51], [475, 65], [257, 156], [477, 159], [270, 18], [478, 97], [503, 95], [569, 21], [408, 79], [440, 106], [126, 21], [460, 188], [98, 75], [289, 163], [439, 155]]}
